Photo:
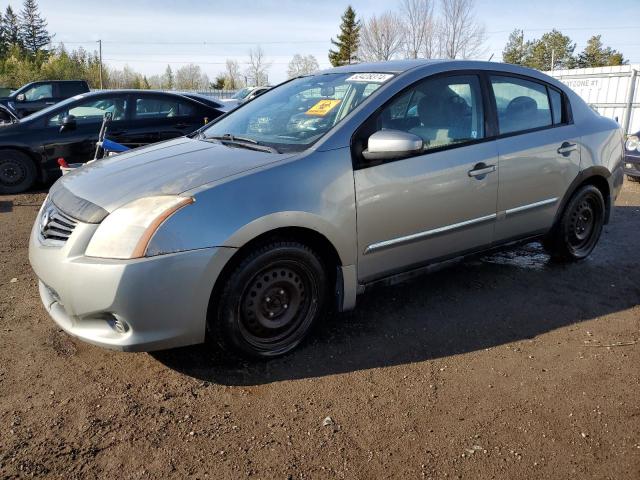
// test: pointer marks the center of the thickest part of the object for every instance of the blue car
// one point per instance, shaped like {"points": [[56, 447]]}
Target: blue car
{"points": [[632, 157]]}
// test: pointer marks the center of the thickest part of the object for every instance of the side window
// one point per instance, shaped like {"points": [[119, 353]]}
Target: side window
{"points": [[92, 111], [157, 107], [522, 104], [442, 111], [150, 107], [39, 92], [556, 106]]}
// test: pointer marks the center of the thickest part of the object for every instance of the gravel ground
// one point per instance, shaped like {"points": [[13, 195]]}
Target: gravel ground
{"points": [[507, 366]]}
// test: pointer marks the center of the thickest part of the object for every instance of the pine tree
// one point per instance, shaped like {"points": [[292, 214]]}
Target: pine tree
{"points": [[348, 40], [515, 51], [167, 78], [11, 28], [596, 55], [33, 28]]}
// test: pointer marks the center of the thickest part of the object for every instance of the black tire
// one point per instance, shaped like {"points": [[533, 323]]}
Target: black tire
{"points": [[270, 301], [17, 172], [577, 231]]}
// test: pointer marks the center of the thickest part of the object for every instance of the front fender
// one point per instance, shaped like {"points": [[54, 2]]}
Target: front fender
{"points": [[314, 192]]}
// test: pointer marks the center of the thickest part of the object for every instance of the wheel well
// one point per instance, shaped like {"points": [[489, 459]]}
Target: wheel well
{"points": [[29, 154], [318, 242], [601, 184]]}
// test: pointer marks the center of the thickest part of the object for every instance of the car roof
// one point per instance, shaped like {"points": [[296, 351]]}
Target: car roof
{"points": [[390, 66]]}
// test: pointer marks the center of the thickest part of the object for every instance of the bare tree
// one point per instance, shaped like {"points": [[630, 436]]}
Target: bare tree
{"points": [[381, 37], [190, 77], [302, 65], [257, 72], [232, 75], [419, 27], [461, 35]]}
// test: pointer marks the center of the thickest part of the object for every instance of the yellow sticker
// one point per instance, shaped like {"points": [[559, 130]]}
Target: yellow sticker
{"points": [[323, 107]]}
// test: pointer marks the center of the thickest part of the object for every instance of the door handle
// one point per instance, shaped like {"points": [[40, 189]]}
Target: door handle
{"points": [[480, 170], [181, 125], [50, 103], [566, 148]]}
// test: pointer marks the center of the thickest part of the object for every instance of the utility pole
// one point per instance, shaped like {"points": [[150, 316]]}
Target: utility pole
{"points": [[553, 58], [100, 56]]}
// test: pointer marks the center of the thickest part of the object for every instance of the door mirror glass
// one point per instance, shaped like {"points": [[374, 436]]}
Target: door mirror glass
{"points": [[392, 144], [20, 97], [68, 123]]}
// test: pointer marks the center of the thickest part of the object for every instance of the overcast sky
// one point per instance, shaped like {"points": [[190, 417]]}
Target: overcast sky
{"points": [[149, 34]]}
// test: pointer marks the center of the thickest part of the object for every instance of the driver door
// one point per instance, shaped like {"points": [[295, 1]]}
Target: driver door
{"points": [[433, 205], [78, 145]]}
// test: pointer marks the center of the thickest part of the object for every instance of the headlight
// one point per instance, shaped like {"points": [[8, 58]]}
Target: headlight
{"points": [[126, 232], [633, 143]]}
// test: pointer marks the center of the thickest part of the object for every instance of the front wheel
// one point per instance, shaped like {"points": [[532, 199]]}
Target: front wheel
{"points": [[577, 232], [270, 301], [17, 172]]}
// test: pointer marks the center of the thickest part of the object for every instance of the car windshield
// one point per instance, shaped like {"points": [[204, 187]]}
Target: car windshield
{"points": [[293, 116], [240, 94]]}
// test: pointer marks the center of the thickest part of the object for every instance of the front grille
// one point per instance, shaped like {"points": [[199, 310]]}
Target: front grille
{"points": [[55, 225]]}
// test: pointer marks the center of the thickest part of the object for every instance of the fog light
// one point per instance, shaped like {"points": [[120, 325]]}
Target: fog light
{"points": [[628, 165], [118, 324]]}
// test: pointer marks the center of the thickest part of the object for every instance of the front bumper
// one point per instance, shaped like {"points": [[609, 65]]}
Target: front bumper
{"points": [[133, 305], [632, 165]]}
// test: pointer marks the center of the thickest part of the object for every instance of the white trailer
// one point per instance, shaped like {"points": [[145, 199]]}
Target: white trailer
{"points": [[613, 91]]}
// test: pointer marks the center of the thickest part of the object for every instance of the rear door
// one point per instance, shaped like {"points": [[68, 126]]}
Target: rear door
{"points": [[539, 152], [435, 204]]}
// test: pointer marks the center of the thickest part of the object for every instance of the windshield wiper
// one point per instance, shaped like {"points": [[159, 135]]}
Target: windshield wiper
{"points": [[245, 142]]}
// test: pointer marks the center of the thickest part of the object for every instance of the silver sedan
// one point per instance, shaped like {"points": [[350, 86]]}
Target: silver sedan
{"points": [[249, 231]]}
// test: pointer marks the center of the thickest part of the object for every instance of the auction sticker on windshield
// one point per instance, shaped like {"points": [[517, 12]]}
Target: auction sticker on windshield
{"points": [[323, 107], [370, 77]]}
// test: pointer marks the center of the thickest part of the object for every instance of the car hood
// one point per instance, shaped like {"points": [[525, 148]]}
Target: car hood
{"points": [[167, 168]]}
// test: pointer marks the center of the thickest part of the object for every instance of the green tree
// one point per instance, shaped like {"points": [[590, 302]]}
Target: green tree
{"points": [[348, 40], [167, 79], [595, 54], [552, 51], [218, 83], [11, 28], [516, 50], [33, 28]]}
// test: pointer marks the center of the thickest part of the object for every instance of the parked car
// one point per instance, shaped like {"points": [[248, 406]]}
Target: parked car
{"points": [[247, 232], [245, 95], [30, 148], [35, 96], [632, 157], [7, 117]]}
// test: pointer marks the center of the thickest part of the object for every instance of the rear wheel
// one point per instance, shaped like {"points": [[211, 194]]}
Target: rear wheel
{"points": [[270, 301], [577, 232], [17, 172]]}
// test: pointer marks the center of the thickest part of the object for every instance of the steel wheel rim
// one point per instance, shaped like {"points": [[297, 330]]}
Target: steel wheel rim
{"points": [[278, 305], [12, 173], [583, 224]]}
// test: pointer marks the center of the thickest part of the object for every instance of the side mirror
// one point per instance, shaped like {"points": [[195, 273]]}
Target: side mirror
{"points": [[68, 123], [20, 97], [392, 144]]}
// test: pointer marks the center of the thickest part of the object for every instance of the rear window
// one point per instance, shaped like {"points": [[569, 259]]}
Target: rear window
{"points": [[522, 104], [69, 89]]}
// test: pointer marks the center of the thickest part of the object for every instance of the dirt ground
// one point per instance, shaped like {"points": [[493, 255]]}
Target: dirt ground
{"points": [[504, 367]]}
